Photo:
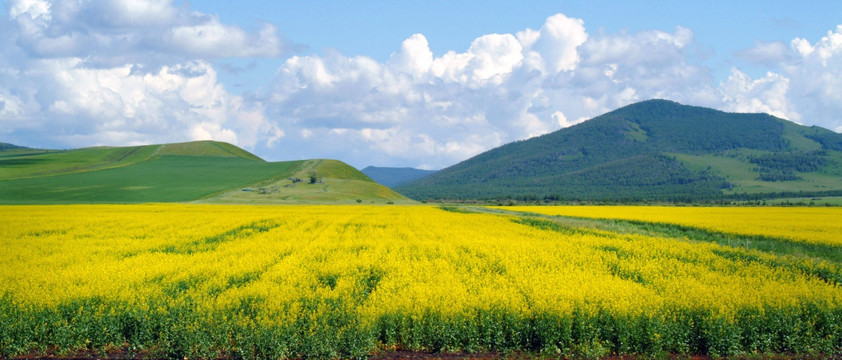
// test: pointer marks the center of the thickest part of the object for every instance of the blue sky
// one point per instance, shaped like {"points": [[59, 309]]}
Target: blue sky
{"points": [[411, 83]]}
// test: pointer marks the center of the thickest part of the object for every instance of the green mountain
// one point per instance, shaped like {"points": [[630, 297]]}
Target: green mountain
{"points": [[394, 176], [205, 171], [655, 150]]}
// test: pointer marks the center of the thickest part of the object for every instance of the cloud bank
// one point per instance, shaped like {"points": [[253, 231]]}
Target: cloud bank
{"points": [[85, 73]]}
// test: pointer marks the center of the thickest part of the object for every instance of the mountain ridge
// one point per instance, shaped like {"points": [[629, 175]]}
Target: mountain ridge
{"points": [[639, 152]]}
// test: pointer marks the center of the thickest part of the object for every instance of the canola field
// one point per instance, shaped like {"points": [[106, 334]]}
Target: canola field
{"points": [[211, 281], [809, 224]]}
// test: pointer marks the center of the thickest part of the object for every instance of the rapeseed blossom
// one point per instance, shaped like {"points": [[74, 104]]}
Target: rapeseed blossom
{"points": [[345, 281]]}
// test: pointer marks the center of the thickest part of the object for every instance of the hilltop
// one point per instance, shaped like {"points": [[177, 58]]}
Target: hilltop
{"points": [[655, 150], [206, 171]]}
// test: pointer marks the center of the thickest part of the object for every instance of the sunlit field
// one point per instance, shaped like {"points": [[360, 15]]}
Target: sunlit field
{"points": [[806, 224], [207, 281]]}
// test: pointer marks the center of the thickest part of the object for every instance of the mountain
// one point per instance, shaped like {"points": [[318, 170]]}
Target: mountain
{"points": [[653, 150], [205, 171], [393, 176]]}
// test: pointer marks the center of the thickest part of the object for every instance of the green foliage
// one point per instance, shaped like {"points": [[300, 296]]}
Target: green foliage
{"points": [[646, 176], [783, 166], [794, 161], [330, 328]]}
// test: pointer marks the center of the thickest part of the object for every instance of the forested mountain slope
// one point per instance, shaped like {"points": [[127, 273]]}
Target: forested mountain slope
{"points": [[655, 150]]}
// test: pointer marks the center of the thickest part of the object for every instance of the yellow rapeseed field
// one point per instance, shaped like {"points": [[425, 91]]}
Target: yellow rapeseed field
{"points": [[348, 281], [812, 225]]}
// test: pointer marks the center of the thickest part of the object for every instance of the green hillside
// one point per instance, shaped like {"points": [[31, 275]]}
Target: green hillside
{"points": [[206, 171], [7, 146], [654, 150]]}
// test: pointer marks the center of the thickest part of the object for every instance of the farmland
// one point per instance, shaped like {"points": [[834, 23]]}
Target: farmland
{"points": [[794, 224], [174, 280], [201, 171]]}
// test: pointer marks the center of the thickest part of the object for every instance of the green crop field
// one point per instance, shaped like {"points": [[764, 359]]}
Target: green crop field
{"points": [[165, 179], [206, 171]]}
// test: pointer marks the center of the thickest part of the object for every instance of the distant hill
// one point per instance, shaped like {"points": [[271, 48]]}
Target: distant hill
{"points": [[6, 146], [393, 176], [653, 150], [206, 171]]}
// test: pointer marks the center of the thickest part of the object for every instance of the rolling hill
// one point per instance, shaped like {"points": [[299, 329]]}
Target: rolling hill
{"points": [[655, 150], [206, 171], [394, 176]]}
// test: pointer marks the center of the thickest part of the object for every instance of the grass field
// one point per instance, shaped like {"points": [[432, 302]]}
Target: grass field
{"points": [[208, 281], [33, 164], [205, 171], [163, 179], [736, 169]]}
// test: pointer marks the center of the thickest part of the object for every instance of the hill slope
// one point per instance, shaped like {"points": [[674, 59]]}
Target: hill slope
{"points": [[182, 172], [652, 150], [318, 181], [392, 176]]}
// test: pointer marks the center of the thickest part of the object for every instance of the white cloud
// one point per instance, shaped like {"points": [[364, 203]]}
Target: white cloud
{"points": [[113, 31], [142, 13], [803, 86], [764, 95], [767, 53], [415, 57], [557, 42], [123, 72], [505, 87], [213, 39], [178, 102], [32, 8]]}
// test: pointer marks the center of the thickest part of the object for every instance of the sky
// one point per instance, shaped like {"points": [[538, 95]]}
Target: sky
{"points": [[423, 84]]}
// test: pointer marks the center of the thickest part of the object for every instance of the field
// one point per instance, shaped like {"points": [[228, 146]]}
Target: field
{"points": [[203, 171], [208, 281], [794, 224]]}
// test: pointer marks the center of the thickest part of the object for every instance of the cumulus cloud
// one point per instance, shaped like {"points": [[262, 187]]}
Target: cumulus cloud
{"points": [[802, 86], [557, 42], [417, 108], [765, 95], [114, 31], [122, 105], [81, 73], [125, 72]]}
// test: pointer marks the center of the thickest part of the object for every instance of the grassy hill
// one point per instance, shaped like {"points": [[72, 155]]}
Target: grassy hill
{"points": [[654, 150], [207, 171], [313, 182]]}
